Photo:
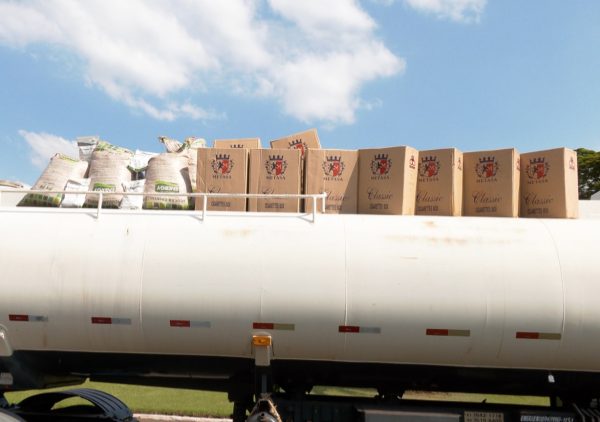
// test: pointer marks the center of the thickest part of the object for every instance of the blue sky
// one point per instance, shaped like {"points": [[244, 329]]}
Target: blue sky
{"points": [[473, 74]]}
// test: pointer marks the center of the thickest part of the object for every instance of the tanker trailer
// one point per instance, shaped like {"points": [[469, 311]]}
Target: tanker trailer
{"points": [[249, 303]]}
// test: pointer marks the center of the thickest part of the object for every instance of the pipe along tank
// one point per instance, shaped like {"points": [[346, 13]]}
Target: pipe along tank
{"points": [[389, 302]]}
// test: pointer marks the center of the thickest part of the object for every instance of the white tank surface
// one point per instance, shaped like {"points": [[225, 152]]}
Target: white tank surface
{"points": [[447, 291]]}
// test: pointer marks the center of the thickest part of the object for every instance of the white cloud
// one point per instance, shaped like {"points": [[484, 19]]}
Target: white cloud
{"points": [[338, 20], [313, 60], [317, 86], [44, 146], [466, 11]]}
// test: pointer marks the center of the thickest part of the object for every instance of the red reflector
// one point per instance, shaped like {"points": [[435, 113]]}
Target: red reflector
{"points": [[524, 334], [263, 326], [349, 329], [18, 317], [179, 323], [436, 332], [101, 320]]}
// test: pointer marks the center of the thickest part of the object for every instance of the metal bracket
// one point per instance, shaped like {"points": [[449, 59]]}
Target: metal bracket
{"points": [[263, 350]]}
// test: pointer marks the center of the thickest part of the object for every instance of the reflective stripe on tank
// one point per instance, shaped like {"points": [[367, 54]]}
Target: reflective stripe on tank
{"points": [[111, 321], [186, 323], [27, 318], [446, 332], [532, 335], [358, 329], [273, 326]]}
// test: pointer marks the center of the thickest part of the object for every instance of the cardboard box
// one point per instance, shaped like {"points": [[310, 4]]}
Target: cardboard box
{"points": [[250, 143], [549, 184], [491, 183], [439, 182], [301, 141], [387, 180], [222, 170], [335, 172], [275, 171]]}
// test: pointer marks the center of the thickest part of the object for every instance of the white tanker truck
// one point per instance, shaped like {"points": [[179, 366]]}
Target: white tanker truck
{"points": [[249, 303]]}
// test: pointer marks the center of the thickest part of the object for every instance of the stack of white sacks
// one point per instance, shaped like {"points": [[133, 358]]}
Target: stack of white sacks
{"points": [[115, 171]]}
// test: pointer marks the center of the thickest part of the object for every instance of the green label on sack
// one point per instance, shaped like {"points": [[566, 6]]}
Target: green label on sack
{"points": [[67, 158], [104, 187], [162, 186], [105, 146]]}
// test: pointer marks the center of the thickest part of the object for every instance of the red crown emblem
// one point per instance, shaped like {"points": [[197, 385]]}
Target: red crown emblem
{"points": [[298, 144], [333, 166], [487, 167], [222, 164], [537, 168], [276, 165], [429, 166], [381, 164]]}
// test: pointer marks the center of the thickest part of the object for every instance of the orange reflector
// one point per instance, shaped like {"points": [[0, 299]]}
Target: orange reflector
{"points": [[261, 340]]}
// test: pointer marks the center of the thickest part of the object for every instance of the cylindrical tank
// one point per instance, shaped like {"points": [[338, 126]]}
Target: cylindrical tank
{"points": [[473, 292]]}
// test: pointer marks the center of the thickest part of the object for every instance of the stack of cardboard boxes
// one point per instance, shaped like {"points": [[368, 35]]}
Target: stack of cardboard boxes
{"points": [[395, 180]]}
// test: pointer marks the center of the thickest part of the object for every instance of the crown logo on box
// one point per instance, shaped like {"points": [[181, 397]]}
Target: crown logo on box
{"points": [[486, 167], [276, 165], [429, 166], [537, 168], [333, 166], [222, 164], [381, 164], [299, 145]]}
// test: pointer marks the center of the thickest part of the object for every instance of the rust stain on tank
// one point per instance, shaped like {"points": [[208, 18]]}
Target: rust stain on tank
{"points": [[430, 224], [448, 240], [237, 233]]}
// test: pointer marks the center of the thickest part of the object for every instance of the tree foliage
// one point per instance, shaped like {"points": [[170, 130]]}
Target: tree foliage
{"points": [[588, 164]]}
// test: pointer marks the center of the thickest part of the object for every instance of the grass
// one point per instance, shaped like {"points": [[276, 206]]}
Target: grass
{"points": [[478, 398], [438, 396], [158, 400]]}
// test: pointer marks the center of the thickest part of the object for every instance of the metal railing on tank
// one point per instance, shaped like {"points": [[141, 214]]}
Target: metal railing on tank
{"points": [[205, 196]]}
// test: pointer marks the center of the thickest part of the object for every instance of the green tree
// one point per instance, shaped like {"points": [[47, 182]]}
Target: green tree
{"points": [[588, 164]]}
